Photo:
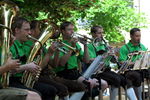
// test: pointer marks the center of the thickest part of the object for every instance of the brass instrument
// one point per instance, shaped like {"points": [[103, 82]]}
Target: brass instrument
{"points": [[96, 42], [28, 78], [8, 10], [58, 44], [81, 37]]}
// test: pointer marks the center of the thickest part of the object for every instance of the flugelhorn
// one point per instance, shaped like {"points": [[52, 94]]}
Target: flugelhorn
{"points": [[96, 41], [59, 44], [81, 37], [8, 11]]}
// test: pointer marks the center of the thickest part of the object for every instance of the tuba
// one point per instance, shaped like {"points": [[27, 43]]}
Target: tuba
{"points": [[28, 79], [7, 10]]}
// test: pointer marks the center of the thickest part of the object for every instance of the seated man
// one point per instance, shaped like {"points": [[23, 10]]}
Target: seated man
{"points": [[21, 50], [133, 76], [67, 65], [15, 93]]}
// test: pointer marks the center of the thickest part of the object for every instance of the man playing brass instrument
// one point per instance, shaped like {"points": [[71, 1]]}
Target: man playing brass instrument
{"points": [[21, 50], [14, 93], [133, 45], [100, 48], [113, 79], [66, 65], [47, 75]]}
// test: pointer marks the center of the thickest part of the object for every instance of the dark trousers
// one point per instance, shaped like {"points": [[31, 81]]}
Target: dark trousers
{"points": [[63, 85], [68, 77], [71, 74], [133, 78], [111, 77], [62, 90], [48, 92]]}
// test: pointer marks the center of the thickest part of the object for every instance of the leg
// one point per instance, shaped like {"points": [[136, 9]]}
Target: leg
{"points": [[72, 85], [138, 92], [135, 78], [62, 90], [48, 92], [33, 96], [113, 93]]}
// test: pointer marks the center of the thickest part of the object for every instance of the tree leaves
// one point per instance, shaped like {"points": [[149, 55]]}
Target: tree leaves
{"points": [[114, 15]]}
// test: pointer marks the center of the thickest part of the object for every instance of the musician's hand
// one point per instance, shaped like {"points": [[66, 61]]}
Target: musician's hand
{"points": [[12, 64], [84, 40], [91, 60], [131, 63], [73, 41], [32, 67], [52, 48], [93, 82]]}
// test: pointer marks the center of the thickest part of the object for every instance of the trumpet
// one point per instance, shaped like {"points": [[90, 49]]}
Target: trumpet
{"points": [[96, 41], [59, 44], [81, 37]]}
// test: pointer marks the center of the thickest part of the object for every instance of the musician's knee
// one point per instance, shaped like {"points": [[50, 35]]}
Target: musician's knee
{"points": [[104, 84], [33, 96], [63, 91]]}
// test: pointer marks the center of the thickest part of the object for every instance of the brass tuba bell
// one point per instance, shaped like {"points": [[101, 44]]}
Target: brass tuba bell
{"points": [[7, 12]]}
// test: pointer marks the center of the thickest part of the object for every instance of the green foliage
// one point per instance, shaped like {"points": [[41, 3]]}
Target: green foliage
{"points": [[114, 15]]}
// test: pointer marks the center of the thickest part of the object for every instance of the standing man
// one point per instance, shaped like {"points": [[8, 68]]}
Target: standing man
{"points": [[134, 45]]}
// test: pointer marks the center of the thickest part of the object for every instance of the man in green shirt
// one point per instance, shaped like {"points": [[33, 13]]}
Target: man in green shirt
{"points": [[132, 46], [100, 48], [14, 93], [113, 79], [66, 65], [21, 50]]}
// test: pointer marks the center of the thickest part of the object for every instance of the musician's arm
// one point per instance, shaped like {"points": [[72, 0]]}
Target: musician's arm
{"points": [[123, 55], [9, 65], [86, 58], [55, 60], [45, 60], [64, 59]]}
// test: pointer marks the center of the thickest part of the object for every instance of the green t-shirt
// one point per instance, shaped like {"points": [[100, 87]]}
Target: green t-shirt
{"points": [[129, 48], [21, 51], [93, 49], [73, 60]]}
